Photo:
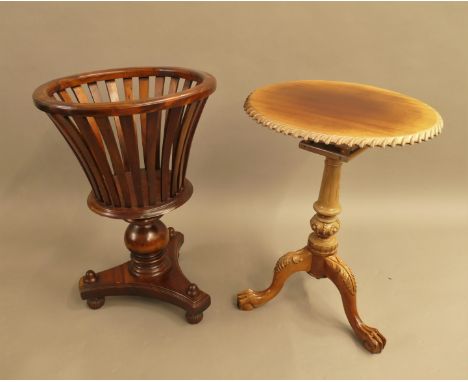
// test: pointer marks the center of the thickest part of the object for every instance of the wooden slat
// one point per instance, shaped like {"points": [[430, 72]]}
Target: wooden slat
{"points": [[119, 170], [61, 126], [144, 187], [159, 86], [95, 93], [97, 151], [186, 151], [175, 144], [106, 131], [65, 96], [114, 97], [83, 98], [111, 86], [187, 122], [187, 84], [80, 94], [133, 199], [173, 88], [173, 85], [144, 93], [170, 129], [144, 87], [128, 88], [81, 148], [158, 92], [152, 153], [131, 144]]}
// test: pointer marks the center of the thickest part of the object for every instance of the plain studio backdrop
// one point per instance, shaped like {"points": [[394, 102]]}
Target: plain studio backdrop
{"points": [[404, 218]]}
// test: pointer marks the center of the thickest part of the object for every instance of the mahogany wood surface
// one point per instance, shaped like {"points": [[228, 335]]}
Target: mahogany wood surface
{"points": [[131, 129], [343, 113], [163, 280]]}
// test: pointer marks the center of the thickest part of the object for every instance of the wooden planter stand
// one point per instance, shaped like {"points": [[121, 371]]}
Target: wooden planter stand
{"points": [[131, 130]]}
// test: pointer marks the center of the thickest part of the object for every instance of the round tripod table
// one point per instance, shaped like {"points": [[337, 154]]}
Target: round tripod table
{"points": [[338, 120], [131, 130]]}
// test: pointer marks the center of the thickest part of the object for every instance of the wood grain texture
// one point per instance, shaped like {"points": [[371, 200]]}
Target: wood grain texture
{"points": [[343, 113]]}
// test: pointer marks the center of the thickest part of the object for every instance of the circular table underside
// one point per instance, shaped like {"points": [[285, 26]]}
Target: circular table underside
{"points": [[343, 113]]}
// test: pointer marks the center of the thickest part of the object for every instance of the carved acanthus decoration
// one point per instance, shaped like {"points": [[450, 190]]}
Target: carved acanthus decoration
{"points": [[289, 258], [337, 265], [322, 240], [324, 228]]}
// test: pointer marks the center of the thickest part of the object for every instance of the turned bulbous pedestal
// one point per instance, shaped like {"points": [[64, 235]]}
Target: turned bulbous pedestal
{"points": [[146, 241], [152, 271]]}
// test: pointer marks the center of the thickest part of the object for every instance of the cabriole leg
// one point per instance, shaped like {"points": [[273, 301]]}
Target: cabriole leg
{"points": [[286, 266]]}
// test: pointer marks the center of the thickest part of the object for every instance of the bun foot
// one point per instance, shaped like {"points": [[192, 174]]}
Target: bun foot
{"points": [[153, 280], [96, 302], [194, 318]]}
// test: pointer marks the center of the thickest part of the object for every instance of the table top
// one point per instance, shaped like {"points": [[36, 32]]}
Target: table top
{"points": [[343, 113]]}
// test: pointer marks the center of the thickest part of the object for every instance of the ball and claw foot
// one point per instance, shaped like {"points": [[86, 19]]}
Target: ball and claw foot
{"points": [[371, 339], [194, 318], [249, 299], [95, 302]]}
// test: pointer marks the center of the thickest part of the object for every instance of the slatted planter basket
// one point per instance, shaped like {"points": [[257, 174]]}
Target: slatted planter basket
{"points": [[131, 130]]}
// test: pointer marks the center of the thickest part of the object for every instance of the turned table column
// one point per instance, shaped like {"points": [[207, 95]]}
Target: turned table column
{"points": [[323, 246], [319, 258]]}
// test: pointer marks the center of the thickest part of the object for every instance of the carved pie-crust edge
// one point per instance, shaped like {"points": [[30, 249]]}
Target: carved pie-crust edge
{"points": [[411, 139]]}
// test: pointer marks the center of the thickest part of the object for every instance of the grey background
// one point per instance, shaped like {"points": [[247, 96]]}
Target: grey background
{"points": [[404, 214]]}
